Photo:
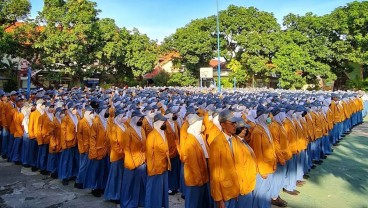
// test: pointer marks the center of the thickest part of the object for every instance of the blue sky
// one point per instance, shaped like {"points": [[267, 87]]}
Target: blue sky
{"points": [[160, 18]]}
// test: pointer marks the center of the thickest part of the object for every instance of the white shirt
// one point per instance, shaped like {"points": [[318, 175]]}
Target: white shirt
{"points": [[228, 139], [203, 145]]}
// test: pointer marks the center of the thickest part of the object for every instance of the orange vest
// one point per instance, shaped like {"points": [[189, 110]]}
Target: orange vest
{"points": [[68, 133], [157, 154], [281, 142], [83, 135], [18, 118], [135, 149], [195, 165], [46, 129], [98, 142]]}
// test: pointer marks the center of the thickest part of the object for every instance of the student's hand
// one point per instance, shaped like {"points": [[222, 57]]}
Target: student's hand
{"points": [[220, 204]]}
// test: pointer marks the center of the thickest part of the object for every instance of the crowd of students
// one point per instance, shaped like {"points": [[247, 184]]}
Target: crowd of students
{"points": [[137, 146]]}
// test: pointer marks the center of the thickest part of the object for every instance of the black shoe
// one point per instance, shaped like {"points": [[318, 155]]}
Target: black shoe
{"points": [[44, 172], [34, 169], [279, 202], [4, 157], [26, 166], [96, 193], [306, 176], [78, 185], [319, 162], [172, 192], [54, 175], [18, 163], [73, 178], [294, 193], [183, 197], [314, 167], [65, 182], [115, 201], [324, 157]]}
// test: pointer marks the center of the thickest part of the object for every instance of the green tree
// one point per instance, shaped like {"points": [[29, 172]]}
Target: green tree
{"points": [[182, 79], [68, 39], [12, 11]]}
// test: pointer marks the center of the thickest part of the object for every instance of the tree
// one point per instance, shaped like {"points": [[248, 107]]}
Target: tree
{"points": [[141, 54], [184, 79], [68, 39], [12, 11]]}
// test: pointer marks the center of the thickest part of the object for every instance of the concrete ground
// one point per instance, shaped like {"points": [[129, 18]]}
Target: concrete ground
{"points": [[340, 182]]}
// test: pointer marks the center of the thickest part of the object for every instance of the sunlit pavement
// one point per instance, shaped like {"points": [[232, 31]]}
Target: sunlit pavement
{"points": [[342, 179]]}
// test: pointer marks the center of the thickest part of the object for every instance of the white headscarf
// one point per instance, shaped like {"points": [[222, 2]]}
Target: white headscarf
{"points": [[50, 115], [133, 124], [40, 108], [120, 120], [157, 125], [217, 122], [88, 115], [149, 117], [195, 130], [252, 114], [73, 117], [26, 111], [102, 118], [261, 120]]}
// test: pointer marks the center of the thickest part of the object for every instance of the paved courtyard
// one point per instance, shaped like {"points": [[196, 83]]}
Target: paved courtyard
{"points": [[340, 182]]}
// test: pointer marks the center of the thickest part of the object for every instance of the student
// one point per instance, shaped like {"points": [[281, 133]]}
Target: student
{"points": [[224, 181], [46, 129], [16, 152], [55, 144], [135, 172], [172, 134], [83, 136], [117, 138], [69, 162], [158, 165], [97, 167], [34, 132], [194, 155], [246, 165]]}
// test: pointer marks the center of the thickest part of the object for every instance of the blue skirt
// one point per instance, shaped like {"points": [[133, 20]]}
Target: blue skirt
{"points": [[68, 167], [182, 181], [197, 196], [16, 155], [134, 187], [245, 201], [10, 146], [291, 174], [157, 191], [174, 174], [33, 152], [278, 181], [4, 145], [53, 161], [43, 152], [83, 164], [25, 156], [97, 172], [262, 192], [114, 181]]}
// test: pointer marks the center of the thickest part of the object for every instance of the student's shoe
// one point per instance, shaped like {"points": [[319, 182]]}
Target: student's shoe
{"points": [[294, 192], [54, 175], [65, 182], [96, 193], [26, 166], [170, 192], [34, 169], [44, 172], [313, 166], [78, 185], [319, 162], [300, 183], [306, 176], [279, 202], [18, 163], [4, 157]]}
